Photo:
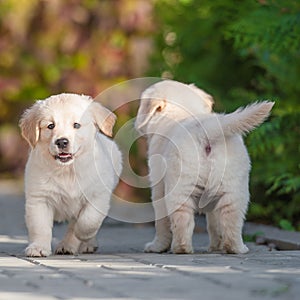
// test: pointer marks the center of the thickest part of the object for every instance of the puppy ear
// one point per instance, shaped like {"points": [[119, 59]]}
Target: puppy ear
{"points": [[147, 109], [207, 98], [29, 124], [103, 117]]}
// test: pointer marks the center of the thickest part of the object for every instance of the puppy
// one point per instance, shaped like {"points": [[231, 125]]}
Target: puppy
{"points": [[72, 169], [197, 163]]}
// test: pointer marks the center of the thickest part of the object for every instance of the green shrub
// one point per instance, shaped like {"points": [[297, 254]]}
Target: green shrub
{"points": [[244, 51]]}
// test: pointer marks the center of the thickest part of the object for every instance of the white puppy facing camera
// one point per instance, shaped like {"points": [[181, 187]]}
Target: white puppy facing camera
{"points": [[72, 169]]}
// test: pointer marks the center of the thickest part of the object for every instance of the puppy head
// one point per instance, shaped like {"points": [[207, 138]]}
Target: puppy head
{"points": [[170, 101], [64, 125]]}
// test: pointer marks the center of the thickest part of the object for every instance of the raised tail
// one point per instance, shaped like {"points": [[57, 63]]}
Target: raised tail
{"points": [[241, 121]]}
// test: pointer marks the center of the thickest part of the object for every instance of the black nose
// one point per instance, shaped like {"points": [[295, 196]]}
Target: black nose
{"points": [[62, 143]]}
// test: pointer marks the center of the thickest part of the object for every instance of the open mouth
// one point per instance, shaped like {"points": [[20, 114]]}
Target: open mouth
{"points": [[64, 157]]}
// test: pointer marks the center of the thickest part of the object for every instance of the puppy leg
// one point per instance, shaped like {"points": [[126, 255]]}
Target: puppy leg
{"points": [[231, 223], [163, 235], [213, 228], [70, 243], [39, 222], [182, 226], [89, 221], [181, 208]]}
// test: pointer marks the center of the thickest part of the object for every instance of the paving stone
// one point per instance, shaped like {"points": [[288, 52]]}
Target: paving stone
{"points": [[120, 269]]}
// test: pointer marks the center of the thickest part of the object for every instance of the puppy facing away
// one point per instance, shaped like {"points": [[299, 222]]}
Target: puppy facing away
{"points": [[197, 163], [72, 169]]}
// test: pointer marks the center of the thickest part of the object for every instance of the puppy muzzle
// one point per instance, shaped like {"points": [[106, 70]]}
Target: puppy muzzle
{"points": [[64, 156]]}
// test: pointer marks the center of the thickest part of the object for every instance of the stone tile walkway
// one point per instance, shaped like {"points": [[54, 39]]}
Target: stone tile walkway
{"points": [[120, 270]]}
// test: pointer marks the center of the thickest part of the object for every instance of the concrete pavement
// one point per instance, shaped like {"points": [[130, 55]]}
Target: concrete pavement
{"points": [[120, 269]]}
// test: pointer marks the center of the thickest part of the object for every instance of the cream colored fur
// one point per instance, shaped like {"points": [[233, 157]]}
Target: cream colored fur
{"points": [[74, 183], [198, 163]]}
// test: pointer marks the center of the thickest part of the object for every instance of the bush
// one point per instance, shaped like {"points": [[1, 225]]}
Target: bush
{"points": [[241, 52]]}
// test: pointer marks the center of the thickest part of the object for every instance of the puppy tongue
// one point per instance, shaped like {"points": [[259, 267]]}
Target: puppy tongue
{"points": [[64, 157], [64, 154]]}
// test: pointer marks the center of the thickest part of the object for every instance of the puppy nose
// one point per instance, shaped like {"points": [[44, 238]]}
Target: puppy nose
{"points": [[62, 143]]}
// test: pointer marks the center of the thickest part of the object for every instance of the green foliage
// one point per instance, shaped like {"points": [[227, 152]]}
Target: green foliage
{"points": [[50, 47], [75, 46], [239, 51], [286, 225], [243, 51], [253, 237]]}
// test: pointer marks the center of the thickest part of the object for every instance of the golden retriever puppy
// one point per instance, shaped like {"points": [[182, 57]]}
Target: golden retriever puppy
{"points": [[72, 169], [197, 163]]}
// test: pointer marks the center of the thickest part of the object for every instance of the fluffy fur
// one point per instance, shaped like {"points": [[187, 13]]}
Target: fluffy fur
{"points": [[198, 163], [71, 171]]}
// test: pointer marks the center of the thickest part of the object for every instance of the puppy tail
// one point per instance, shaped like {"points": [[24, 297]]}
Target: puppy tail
{"points": [[241, 121]]}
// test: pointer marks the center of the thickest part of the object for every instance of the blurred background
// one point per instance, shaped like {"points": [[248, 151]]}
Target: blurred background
{"points": [[238, 51]]}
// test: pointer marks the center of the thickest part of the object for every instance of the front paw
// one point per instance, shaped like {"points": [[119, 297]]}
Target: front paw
{"points": [[156, 247], [37, 250], [182, 248], [88, 247], [64, 248]]}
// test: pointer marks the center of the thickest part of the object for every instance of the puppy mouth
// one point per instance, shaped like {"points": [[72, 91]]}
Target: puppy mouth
{"points": [[64, 157]]}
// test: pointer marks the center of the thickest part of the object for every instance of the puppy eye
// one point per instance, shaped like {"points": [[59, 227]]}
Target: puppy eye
{"points": [[76, 125], [51, 126]]}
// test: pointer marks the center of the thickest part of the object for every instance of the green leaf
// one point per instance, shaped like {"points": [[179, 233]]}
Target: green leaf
{"points": [[286, 225]]}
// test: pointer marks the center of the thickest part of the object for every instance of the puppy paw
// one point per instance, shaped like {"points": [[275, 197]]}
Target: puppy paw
{"points": [[89, 246], [182, 249], [242, 249], [36, 250], [215, 249], [156, 247], [64, 248]]}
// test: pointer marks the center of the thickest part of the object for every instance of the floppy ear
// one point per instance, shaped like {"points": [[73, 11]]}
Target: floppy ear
{"points": [[147, 109], [103, 118], [29, 124]]}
